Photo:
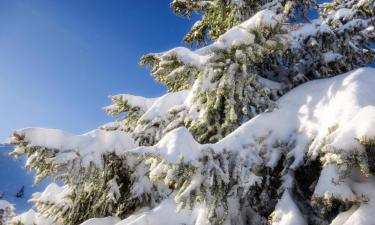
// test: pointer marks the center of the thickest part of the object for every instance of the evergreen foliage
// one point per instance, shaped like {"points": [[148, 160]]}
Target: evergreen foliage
{"points": [[253, 55], [221, 15]]}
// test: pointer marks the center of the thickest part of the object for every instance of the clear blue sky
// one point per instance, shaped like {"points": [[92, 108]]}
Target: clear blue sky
{"points": [[59, 60]]}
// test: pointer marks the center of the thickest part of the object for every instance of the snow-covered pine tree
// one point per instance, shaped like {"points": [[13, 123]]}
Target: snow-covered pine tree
{"points": [[306, 158]]}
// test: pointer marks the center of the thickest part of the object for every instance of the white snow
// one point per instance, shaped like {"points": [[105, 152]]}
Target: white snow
{"points": [[322, 116], [241, 34], [233, 37], [5, 204], [178, 142], [331, 185], [343, 217], [154, 110], [187, 56], [266, 18], [287, 213], [53, 193], [136, 101], [88, 147], [102, 221], [304, 115], [237, 35], [31, 218], [237, 2], [161, 107], [319, 105], [310, 29], [319, 117], [342, 13], [363, 214], [164, 214], [7, 211], [114, 192], [331, 56]]}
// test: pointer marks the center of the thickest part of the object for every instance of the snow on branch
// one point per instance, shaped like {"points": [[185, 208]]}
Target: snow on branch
{"points": [[88, 148]]}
